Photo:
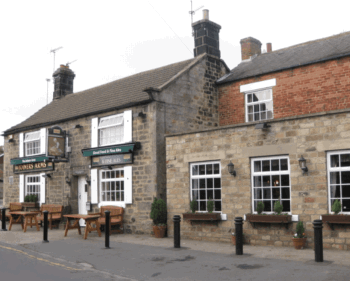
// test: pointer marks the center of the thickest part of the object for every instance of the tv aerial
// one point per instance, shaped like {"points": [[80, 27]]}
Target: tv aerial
{"points": [[68, 63], [192, 12], [54, 54]]}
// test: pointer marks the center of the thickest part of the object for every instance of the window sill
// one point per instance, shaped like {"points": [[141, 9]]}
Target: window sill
{"points": [[269, 218], [106, 203]]}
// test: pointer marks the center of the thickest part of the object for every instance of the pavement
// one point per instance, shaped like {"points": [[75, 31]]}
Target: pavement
{"points": [[143, 257]]}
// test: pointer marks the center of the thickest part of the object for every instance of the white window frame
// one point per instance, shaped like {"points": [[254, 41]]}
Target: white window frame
{"points": [[27, 184], [270, 173], [259, 102], [102, 127], [32, 142], [336, 169], [101, 180], [205, 177]]}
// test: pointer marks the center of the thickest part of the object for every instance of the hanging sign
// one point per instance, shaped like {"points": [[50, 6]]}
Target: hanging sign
{"points": [[56, 142], [116, 159], [33, 167]]}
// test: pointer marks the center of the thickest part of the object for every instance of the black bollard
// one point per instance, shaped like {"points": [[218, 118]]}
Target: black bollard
{"points": [[107, 214], [177, 220], [46, 214], [318, 240], [239, 235], [3, 219]]}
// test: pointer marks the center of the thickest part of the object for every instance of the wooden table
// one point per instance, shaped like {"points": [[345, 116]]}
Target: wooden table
{"points": [[28, 218], [89, 220]]}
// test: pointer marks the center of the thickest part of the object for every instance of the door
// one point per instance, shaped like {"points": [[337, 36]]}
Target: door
{"points": [[82, 198]]}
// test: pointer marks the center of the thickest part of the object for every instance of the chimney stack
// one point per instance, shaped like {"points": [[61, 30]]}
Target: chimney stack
{"points": [[206, 36], [268, 47], [63, 84], [250, 47]]}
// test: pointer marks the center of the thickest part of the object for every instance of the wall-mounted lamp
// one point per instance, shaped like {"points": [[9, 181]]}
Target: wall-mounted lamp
{"points": [[88, 180], [302, 164], [11, 139], [47, 176], [231, 169], [262, 126], [78, 126], [68, 180], [88, 206], [142, 115]]}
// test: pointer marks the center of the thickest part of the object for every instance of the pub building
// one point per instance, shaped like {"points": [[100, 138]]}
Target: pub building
{"points": [[105, 145]]}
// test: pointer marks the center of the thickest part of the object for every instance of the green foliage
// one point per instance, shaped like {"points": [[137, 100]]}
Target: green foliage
{"points": [[194, 206], [260, 207], [31, 198], [158, 212], [278, 208], [336, 207], [210, 205], [300, 230]]}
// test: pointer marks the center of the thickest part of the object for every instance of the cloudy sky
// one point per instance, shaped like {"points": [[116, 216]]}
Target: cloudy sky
{"points": [[114, 39]]}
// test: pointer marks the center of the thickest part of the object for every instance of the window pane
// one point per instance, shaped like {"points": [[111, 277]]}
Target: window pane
{"points": [[335, 191], [209, 169], [284, 165], [334, 161], [334, 178], [266, 181], [276, 193], [217, 194], [257, 193], [122, 186], [195, 195], [195, 184], [269, 115], [210, 183], [195, 170], [263, 115], [122, 195], [250, 109], [346, 205], [275, 180], [256, 117], [256, 108], [202, 195], [267, 206], [216, 169], [345, 160], [286, 205], [262, 107], [217, 205], [285, 180], [210, 194], [266, 165], [250, 99], [113, 174], [108, 175], [217, 183], [122, 173], [257, 166], [250, 117], [202, 169], [345, 177], [266, 193], [202, 183], [285, 193], [117, 185], [346, 191], [255, 98], [257, 181], [202, 206], [275, 165]]}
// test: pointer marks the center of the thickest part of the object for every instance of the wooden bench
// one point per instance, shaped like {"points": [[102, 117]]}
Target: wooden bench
{"points": [[15, 207], [116, 216], [55, 213]]}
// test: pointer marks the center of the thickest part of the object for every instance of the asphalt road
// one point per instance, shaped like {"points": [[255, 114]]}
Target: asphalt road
{"points": [[79, 259]]}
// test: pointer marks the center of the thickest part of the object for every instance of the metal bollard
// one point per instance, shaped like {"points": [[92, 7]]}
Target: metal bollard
{"points": [[3, 219], [239, 235], [177, 220], [318, 240], [46, 214], [107, 214]]}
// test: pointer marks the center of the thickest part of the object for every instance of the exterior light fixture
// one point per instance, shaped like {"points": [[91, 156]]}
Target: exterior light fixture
{"points": [[262, 126], [11, 139], [68, 181], [88, 180], [231, 169], [47, 176], [302, 164], [88, 206], [142, 115], [78, 126]]}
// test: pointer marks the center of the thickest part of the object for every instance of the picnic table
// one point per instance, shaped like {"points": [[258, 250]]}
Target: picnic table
{"points": [[26, 218], [89, 220]]}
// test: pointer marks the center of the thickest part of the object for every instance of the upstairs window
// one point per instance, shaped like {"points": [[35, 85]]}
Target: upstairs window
{"points": [[259, 105], [32, 143], [111, 130]]}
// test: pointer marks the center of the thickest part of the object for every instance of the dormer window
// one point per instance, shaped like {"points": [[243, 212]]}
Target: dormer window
{"points": [[32, 143]]}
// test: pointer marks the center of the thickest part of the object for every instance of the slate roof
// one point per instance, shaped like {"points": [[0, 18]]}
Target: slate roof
{"points": [[302, 54], [121, 93]]}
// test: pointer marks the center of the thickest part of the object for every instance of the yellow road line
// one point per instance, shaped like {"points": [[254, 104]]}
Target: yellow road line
{"points": [[40, 259]]}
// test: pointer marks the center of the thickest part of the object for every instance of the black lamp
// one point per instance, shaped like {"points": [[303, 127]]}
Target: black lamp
{"points": [[262, 126], [88, 180], [302, 164], [231, 169], [88, 206], [68, 180]]}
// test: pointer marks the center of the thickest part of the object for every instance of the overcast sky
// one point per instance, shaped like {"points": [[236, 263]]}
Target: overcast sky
{"points": [[115, 39]]}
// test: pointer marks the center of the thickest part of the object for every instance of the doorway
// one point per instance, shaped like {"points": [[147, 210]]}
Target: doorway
{"points": [[82, 198]]}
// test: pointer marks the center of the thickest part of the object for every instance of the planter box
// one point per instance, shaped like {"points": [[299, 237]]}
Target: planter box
{"points": [[213, 217], [30, 205], [282, 219], [335, 219]]}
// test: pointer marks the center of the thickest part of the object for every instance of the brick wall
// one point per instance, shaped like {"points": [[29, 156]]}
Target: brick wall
{"points": [[311, 136], [308, 89]]}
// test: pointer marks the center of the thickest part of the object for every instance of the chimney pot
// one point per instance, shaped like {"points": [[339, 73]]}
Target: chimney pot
{"points": [[206, 14], [250, 47], [269, 47]]}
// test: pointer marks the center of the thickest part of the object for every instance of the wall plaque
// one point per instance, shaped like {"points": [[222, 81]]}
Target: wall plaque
{"points": [[33, 167], [117, 159]]}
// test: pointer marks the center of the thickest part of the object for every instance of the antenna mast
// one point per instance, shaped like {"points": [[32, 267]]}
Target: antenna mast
{"points": [[68, 63], [193, 12], [54, 54]]}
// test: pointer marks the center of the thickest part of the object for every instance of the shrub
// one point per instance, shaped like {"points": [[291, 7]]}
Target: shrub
{"points": [[31, 198], [278, 208], [300, 230], [210, 206], [260, 207], [158, 212], [194, 206], [336, 207]]}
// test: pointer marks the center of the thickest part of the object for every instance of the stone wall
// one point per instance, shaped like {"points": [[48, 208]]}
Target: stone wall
{"points": [[309, 135]]}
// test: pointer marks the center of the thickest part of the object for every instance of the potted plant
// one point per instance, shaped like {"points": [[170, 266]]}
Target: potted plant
{"points": [[159, 217], [30, 201], [336, 218], [278, 217], [299, 238], [209, 216]]}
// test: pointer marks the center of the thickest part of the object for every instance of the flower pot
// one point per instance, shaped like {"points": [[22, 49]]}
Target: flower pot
{"points": [[159, 231], [299, 243]]}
